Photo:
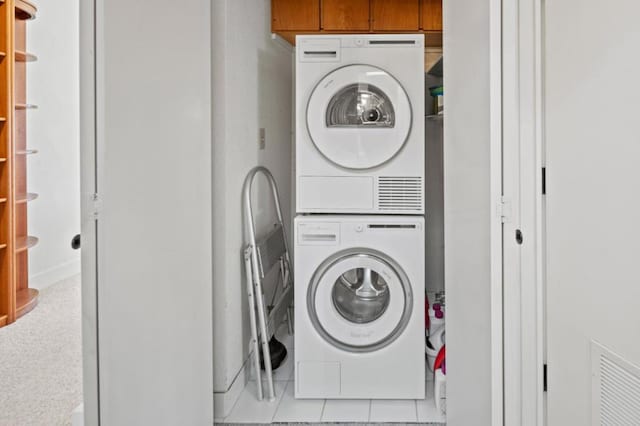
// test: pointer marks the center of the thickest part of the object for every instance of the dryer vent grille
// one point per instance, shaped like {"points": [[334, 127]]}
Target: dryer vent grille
{"points": [[615, 387], [400, 193]]}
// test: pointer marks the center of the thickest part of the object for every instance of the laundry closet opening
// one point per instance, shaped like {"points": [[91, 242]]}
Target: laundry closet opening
{"points": [[385, 194]]}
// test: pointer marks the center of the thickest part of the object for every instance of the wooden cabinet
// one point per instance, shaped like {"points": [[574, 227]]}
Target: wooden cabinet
{"points": [[295, 15], [395, 15], [432, 15], [16, 298], [341, 15], [291, 17]]}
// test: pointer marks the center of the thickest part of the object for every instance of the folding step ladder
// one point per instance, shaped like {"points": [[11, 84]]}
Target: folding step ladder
{"points": [[260, 257]]}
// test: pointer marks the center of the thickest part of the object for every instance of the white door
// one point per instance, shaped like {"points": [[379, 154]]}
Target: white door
{"points": [[147, 244], [592, 113]]}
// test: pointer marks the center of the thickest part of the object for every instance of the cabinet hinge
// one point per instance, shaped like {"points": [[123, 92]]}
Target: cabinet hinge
{"points": [[97, 206], [544, 378], [504, 209]]}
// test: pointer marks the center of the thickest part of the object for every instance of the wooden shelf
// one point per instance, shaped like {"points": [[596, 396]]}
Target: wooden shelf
{"points": [[25, 198], [25, 56], [25, 10], [26, 300], [25, 243], [26, 106], [27, 152]]}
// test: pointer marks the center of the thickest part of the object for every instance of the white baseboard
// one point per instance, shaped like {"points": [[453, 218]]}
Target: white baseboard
{"points": [[223, 402], [53, 275], [77, 416]]}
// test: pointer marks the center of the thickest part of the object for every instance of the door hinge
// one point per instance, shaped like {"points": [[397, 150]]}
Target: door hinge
{"points": [[544, 378], [504, 209], [97, 206], [544, 181]]}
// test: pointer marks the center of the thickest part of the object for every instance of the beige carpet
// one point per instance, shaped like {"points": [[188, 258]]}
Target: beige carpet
{"points": [[41, 360]]}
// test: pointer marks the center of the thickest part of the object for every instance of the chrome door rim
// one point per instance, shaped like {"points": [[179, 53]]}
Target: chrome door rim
{"points": [[380, 257], [313, 137]]}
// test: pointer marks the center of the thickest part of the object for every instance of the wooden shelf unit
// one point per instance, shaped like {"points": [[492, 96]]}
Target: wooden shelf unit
{"points": [[25, 198], [16, 298], [25, 243], [22, 106], [26, 300], [26, 152], [21, 56]]}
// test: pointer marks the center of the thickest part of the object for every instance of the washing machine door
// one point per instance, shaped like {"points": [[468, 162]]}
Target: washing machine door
{"points": [[359, 116], [359, 300]]}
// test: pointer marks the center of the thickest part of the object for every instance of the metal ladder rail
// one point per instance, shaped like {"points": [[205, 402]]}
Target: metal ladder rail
{"points": [[255, 279]]}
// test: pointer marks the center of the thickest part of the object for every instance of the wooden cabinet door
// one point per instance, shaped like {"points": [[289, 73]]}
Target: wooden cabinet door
{"points": [[345, 15], [295, 15], [395, 15], [432, 15]]}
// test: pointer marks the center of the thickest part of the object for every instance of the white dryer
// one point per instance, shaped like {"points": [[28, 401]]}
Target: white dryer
{"points": [[359, 124], [359, 297]]}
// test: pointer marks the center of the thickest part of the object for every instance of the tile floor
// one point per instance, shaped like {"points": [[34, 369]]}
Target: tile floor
{"points": [[287, 409]]}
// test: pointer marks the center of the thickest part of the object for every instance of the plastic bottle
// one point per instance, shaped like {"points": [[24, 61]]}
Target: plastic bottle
{"points": [[436, 342], [440, 390], [436, 318]]}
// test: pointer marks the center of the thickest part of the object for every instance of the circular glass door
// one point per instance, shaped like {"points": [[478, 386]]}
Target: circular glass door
{"points": [[359, 300], [359, 116], [360, 295]]}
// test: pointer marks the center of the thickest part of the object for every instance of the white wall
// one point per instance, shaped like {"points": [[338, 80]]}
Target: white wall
{"points": [[53, 130], [252, 88]]}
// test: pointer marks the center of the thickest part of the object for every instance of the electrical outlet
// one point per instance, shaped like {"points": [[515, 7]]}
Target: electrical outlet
{"points": [[262, 138]]}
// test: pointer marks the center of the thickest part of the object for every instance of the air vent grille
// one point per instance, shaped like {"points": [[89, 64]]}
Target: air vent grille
{"points": [[616, 390], [403, 194]]}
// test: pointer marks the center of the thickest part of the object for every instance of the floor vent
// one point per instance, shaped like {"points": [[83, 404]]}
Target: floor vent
{"points": [[400, 194], [615, 389]]}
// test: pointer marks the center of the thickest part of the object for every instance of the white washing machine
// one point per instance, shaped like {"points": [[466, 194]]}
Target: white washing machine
{"points": [[359, 124], [359, 297]]}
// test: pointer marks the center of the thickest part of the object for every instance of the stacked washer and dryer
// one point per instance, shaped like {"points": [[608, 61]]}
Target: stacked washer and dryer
{"points": [[359, 230]]}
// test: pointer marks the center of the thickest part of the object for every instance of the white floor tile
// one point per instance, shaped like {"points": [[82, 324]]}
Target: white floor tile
{"points": [[427, 412], [394, 411], [346, 410], [298, 410], [249, 410]]}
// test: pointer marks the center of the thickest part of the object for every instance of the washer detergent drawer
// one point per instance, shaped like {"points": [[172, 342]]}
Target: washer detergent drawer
{"points": [[335, 194], [318, 234], [318, 380]]}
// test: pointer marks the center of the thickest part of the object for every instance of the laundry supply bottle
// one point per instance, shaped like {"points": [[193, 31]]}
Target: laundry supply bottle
{"points": [[435, 343], [436, 318], [440, 388]]}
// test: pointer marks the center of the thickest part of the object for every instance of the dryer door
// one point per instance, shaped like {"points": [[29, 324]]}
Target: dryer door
{"points": [[359, 116], [359, 300]]}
